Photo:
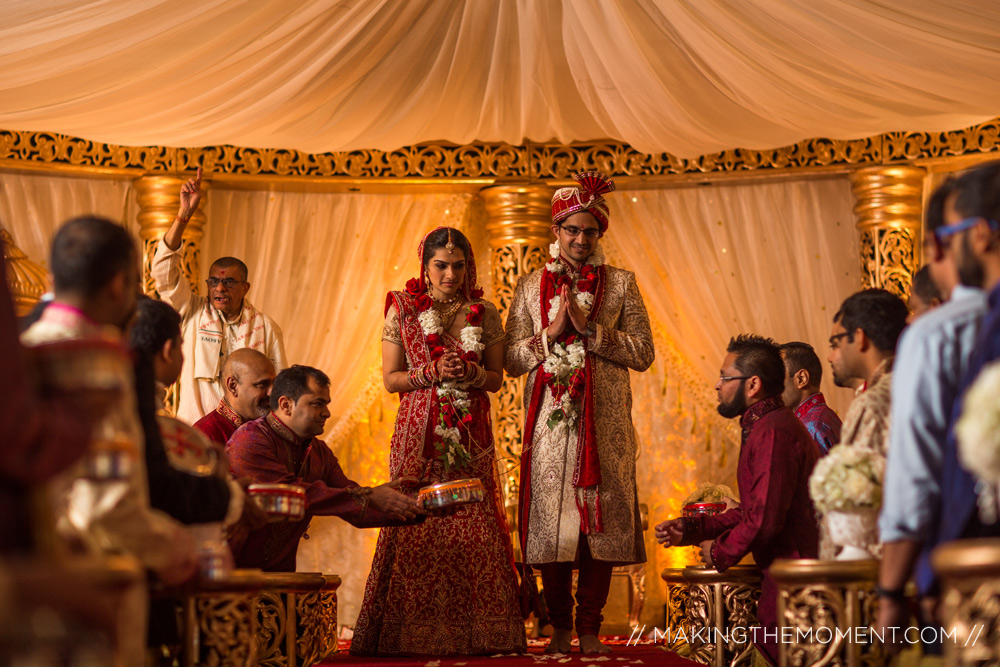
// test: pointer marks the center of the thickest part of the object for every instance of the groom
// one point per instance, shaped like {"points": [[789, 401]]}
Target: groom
{"points": [[576, 326]]}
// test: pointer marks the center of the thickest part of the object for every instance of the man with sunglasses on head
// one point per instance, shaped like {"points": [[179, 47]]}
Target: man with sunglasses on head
{"points": [[213, 325], [776, 518], [932, 356], [972, 233]]}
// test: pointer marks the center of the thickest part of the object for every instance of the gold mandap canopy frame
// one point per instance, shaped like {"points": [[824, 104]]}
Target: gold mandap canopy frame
{"points": [[891, 175]]}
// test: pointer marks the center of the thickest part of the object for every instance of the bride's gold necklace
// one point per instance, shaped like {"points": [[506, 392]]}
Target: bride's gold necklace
{"points": [[448, 309]]}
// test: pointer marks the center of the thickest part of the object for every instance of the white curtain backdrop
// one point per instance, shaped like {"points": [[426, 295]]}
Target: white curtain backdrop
{"points": [[773, 258], [32, 206], [662, 75]]}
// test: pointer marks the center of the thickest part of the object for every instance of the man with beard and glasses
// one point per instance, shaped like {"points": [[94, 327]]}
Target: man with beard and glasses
{"points": [[864, 336], [776, 517], [972, 233], [932, 356], [247, 377]]}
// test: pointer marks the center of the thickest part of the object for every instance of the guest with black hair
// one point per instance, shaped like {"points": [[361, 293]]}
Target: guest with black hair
{"points": [[924, 294], [776, 518], [864, 336], [283, 448], [803, 374]]}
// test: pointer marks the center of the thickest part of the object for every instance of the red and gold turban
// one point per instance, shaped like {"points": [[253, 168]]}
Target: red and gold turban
{"points": [[587, 197]]}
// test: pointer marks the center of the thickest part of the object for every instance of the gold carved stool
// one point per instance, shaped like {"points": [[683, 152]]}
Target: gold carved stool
{"points": [[220, 620], [328, 611], [823, 605], [710, 613], [293, 625], [970, 601]]}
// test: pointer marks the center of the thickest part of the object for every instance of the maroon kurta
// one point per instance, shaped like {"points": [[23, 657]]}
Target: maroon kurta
{"points": [[220, 423], [776, 518], [268, 452]]}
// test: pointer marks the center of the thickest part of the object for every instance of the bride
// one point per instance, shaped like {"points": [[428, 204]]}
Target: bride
{"points": [[447, 586]]}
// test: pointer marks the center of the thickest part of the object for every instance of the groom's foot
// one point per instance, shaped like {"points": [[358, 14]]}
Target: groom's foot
{"points": [[591, 644], [561, 642]]}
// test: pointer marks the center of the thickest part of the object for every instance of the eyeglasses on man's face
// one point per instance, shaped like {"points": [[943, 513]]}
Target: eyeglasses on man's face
{"points": [[228, 283], [943, 233], [592, 233], [727, 378], [835, 338]]}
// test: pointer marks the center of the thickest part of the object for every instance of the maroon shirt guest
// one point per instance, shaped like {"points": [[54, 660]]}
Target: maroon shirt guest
{"points": [[776, 518], [803, 374], [247, 377], [282, 448]]}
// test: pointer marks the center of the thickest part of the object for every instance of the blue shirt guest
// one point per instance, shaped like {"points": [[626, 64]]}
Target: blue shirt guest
{"points": [[803, 374], [935, 361]]}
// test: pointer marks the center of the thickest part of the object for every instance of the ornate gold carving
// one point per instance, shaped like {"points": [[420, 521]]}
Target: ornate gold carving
{"points": [[328, 610], [820, 606], [225, 629], [25, 279], [519, 217], [889, 207], [496, 160], [710, 613], [271, 623], [309, 643], [52, 148], [220, 621], [970, 606]]}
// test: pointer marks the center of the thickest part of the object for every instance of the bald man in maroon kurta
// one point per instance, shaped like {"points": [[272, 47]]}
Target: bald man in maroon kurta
{"points": [[220, 423], [776, 518]]}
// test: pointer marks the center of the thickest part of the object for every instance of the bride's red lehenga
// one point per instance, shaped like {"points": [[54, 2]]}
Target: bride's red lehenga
{"points": [[447, 586]]}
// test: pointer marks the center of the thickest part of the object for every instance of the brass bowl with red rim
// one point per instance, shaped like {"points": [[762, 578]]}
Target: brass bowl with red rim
{"points": [[704, 509], [451, 493], [281, 502]]}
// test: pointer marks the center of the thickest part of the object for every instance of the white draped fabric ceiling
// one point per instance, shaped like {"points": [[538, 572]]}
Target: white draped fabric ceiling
{"points": [[682, 76]]}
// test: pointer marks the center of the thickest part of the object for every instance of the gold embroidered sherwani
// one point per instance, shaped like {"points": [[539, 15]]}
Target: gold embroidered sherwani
{"points": [[623, 340], [866, 423]]}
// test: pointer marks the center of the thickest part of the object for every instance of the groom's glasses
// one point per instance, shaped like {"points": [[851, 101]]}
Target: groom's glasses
{"points": [[576, 231]]}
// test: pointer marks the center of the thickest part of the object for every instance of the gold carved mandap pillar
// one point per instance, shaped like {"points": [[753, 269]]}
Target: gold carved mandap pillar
{"points": [[888, 208], [518, 221], [158, 198]]}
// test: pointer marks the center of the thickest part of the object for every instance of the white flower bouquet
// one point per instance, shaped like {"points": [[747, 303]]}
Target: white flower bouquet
{"points": [[846, 479], [978, 432]]}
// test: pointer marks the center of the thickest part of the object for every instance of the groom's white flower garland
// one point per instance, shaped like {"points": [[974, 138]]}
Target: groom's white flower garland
{"points": [[565, 361]]}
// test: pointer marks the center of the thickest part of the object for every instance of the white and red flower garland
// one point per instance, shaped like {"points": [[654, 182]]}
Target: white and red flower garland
{"points": [[452, 394], [563, 368]]}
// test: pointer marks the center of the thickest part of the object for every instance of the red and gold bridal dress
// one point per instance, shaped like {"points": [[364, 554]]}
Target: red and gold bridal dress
{"points": [[447, 586]]}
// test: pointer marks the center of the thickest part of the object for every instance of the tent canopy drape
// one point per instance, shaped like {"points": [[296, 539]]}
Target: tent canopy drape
{"points": [[662, 75]]}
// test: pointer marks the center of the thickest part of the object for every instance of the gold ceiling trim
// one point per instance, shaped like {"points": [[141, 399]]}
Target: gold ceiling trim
{"points": [[22, 149]]}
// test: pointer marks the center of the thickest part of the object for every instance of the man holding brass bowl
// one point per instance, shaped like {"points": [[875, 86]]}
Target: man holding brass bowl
{"points": [[282, 449]]}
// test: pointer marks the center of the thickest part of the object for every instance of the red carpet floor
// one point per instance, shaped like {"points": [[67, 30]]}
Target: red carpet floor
{"points": [[621, 656]]}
